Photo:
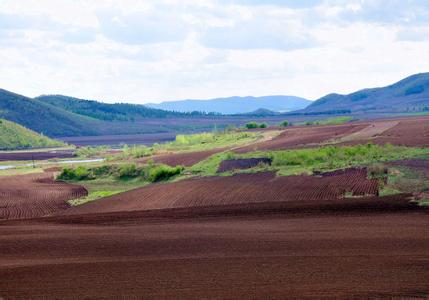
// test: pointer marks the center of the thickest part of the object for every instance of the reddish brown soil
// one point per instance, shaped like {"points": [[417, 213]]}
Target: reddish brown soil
{"points": [[413, 132], [34, 195], [243, 163], [355, 249], [240, 188], [6, 156], [186, 159], [302, 136]]}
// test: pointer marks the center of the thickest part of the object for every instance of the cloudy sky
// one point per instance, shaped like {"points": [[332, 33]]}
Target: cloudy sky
{"points": [[150, 51]]}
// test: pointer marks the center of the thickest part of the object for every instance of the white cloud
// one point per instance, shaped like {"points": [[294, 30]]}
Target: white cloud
{"points": [[142, 51]]}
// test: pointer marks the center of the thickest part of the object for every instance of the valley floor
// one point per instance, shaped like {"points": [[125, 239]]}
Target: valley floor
{"points": [[256, 235]]}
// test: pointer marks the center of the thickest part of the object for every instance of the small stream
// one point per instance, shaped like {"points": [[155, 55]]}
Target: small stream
{"points": [[7, 167]]}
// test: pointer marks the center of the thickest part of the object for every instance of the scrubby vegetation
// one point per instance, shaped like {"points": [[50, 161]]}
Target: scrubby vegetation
{"points": [[400, 179], [289, 162], [91, 151], [149, 173], [253, 125], [14, 136], [285, 123], [193, 142], [329, 121]]}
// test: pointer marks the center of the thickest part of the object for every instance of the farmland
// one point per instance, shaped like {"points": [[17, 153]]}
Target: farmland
{"points": [[334, 209]]}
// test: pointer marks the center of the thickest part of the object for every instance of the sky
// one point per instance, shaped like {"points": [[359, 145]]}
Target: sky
{"points": [[152, 51]]}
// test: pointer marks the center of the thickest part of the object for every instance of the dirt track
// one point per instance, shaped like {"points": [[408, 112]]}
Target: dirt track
{"points": [[34, 195]]}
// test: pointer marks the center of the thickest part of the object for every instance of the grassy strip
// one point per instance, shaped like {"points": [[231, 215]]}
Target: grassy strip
{"points": [[104, 187], [309, 161], [194, 142], [401, 179], [328, 121]]}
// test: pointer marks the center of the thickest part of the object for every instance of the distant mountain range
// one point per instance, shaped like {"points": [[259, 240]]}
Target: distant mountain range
{"points": [[408, 95], [236, 105]]}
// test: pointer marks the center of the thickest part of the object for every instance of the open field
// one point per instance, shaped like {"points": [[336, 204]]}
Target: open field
{"points": [[36, 155], [34, 195], [257, 230], [358, 251]]}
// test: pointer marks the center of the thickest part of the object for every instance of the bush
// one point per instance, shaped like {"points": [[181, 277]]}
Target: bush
{"points": [[137, 151], [252, 125], [128, 171], [263, 125], [284, 123], [80, 173], [163, 172]]}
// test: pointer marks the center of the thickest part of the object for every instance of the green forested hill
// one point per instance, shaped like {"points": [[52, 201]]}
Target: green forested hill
{"points": [[411, 94], [42, 117], [61, 116], [14, 136], [109, 112]]}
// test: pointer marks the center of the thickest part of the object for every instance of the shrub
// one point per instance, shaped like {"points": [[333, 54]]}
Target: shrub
{"points": [[284, 123], [137, 151], [263, 125], [128, 171], [163, 172], [252, 125]]}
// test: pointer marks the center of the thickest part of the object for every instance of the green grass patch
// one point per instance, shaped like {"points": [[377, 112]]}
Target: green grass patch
{"points": [[308, 161], [15, 136], [104, 187], [193, 142], [404, 180], [328, 121]]}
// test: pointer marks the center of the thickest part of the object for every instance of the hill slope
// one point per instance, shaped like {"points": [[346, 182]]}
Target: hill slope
{"points": [[408, 95], [14, 136], [106, 111], [42, 117], [236, 105]]}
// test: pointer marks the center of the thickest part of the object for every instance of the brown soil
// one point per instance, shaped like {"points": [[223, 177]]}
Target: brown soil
{"points": [[186, 159], [34, 195], [243, 163], [413, 132], [6, 156], [239, 188], [352, 250], [302, 136]]}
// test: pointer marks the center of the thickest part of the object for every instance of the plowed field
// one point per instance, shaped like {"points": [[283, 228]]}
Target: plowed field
{"points": [[413, 132], [34, 195], [353, 248], [6, 156], [184, 159], [302, 136], [240, 188]]}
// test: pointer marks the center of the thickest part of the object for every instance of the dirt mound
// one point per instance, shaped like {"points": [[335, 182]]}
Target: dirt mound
{"points": [[243, 163], [186, 159], [6, 156], [302, 136], [240, 188], [34, 195]]}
